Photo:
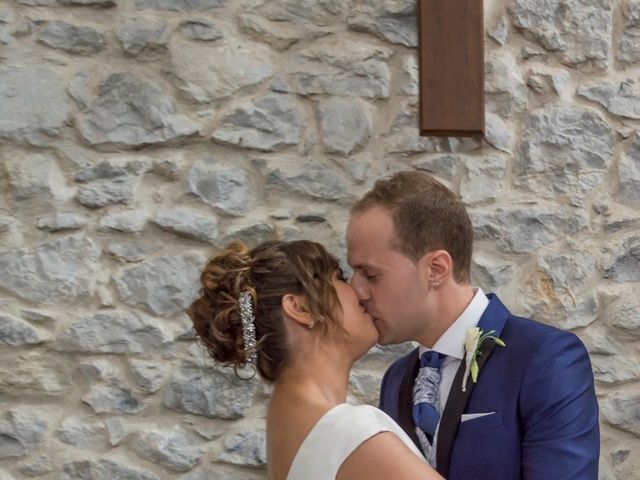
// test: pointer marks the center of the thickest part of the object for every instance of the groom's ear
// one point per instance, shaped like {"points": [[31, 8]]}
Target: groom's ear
{"points": [[295, 307], [436, 266]]}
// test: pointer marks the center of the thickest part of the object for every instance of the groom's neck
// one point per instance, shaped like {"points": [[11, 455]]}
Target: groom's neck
{"points": [[448, 304]]}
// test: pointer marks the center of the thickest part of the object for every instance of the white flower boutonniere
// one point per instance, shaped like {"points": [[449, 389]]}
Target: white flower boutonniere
{"points": [[472, 344]]}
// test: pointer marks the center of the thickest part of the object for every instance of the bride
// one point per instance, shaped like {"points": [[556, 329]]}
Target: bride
{"points": [[285, 309]]}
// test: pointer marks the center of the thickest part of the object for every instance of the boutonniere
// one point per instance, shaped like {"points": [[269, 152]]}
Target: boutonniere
{"points": [[473, 341]]}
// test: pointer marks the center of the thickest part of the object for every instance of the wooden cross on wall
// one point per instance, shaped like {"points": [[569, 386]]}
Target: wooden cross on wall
{"points": [[451, 67]]}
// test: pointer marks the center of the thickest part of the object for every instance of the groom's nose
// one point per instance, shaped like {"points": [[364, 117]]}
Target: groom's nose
{"points": [[360, 286]]}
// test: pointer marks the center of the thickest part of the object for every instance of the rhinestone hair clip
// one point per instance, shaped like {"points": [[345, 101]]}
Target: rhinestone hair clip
{"points": [[248, 326]]}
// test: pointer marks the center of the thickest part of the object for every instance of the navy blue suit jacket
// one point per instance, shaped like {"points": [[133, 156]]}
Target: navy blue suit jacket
{"points": [[540, 386]]}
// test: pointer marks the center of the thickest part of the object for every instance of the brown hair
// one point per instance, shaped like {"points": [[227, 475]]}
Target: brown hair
{"points": [[268, 272], [426, 215]]}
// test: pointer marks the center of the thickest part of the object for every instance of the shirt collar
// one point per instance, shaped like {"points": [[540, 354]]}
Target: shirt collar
{"points": [[451, 343]]}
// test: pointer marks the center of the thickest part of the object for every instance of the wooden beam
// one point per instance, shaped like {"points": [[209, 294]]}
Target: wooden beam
{"points": [[451, 67]]}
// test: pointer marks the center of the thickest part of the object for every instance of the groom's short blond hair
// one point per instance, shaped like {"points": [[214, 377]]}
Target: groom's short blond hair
{"points": [[426, 215]]}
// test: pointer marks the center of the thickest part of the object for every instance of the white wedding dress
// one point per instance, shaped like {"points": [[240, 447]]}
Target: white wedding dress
{"points": [[338, 433]]}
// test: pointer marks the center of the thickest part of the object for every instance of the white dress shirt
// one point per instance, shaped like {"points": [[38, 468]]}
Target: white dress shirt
{"points": [[451, 343]]}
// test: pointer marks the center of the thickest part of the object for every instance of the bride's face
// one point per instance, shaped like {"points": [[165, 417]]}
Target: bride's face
{"points": [[362, 334]]}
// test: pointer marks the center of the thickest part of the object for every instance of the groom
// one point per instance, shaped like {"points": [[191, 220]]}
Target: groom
{"points": [[529, 409]]}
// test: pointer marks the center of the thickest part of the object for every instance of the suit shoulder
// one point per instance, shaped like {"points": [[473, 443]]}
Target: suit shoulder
{"points": [[533, 335]]}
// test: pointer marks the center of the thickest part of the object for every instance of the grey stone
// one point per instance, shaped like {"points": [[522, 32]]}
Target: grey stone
{"points": [[22, 432], [629, 174], [560, 289], [599, 341], [565, 150], [36, 176], [29, 375], [382, 356], [17, 333], [619, 98], [505, 89], [207, 431], [5, 476], [116, 429], [483, 179], [615, 370], [188, 223], [211, 72], [100, 370], [524, 228], [410, 80], [247, 447], [388, 20], [499, 31], [104, 469], [628, 51], [444, 166], [144, 36], [320, 13], [219, 473], [489, 273], [37, 316], [59, 222], [82, 432], [364, 386], [93, 3], [109, 184], [498, 133], [71, 38], [114, 332], [225, 187], [174, 449], [269, 124], [110, 170], [545, 79], [624, 314], [345, 124], [164, 285], [626, 264], [252, 234], [7, 16], [180, 5], [578, 32], [112, 399], [351, 69], [201, 30], [130, 112], [622, 409], [73, 3], [210, 392], [404, 136], [311, 179], [33, 105], [7, 224], [127, 221], [35, 467], [148, 375], [132, 252], [62, 271], [279, 35]]}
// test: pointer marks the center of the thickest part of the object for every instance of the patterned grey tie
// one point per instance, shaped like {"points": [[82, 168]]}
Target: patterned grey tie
{"points": [[426, 402]]}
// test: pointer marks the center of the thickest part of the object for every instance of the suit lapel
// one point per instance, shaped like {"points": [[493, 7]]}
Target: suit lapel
{"points": [[493, 318], [405, 401], [456, 404]]}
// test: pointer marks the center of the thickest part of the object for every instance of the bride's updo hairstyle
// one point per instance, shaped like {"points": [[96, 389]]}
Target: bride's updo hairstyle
{"points": [[268, 272]]}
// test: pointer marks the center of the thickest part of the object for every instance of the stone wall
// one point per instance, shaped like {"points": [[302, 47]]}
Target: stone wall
{"points": [[138, 136]]}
